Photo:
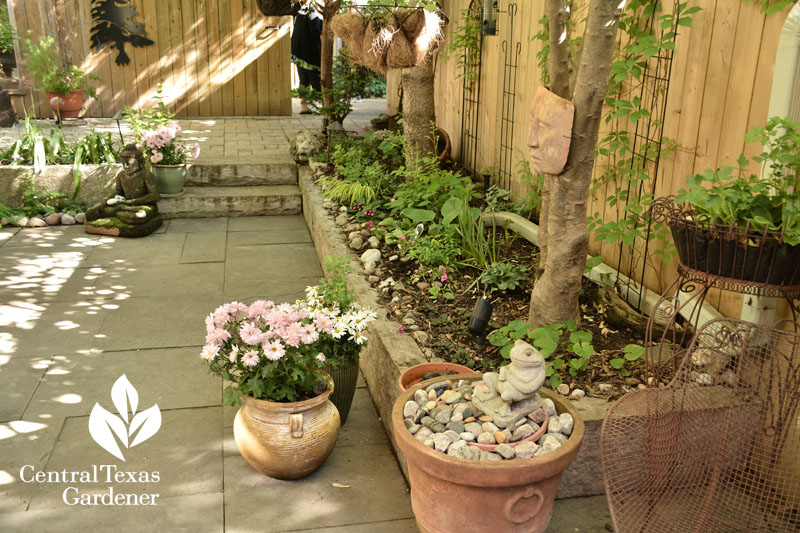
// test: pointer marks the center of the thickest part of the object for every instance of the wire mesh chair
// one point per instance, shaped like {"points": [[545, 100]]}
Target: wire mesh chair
{"points": [[718, 449]]}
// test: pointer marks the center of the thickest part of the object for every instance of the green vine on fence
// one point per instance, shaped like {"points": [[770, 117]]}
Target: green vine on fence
{"points": [[464, 43]]}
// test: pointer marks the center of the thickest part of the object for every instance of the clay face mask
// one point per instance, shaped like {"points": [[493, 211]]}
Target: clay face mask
{"points": [[550, 132]]}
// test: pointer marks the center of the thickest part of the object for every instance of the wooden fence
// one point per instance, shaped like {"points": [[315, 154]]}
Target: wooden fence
{"points": [[213, 57], [720, 86]]}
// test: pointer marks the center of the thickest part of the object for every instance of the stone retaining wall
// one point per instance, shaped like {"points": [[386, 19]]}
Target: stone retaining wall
{"points": [[389, 353], [97, 182]]}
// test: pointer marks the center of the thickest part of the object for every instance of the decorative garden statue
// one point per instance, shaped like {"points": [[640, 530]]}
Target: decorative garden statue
{"points": [[511, 394], [132, 210], [551, 132]]}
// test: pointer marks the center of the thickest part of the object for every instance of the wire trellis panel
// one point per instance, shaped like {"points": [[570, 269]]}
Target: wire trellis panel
{"points": [[470, 103], [511, 53]]}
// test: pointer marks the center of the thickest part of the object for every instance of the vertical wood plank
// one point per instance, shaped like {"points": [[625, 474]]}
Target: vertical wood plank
{"points": [[190, 58], [204, 89], [164, 53], [215, 73], [262, 66], [177, 57], [150, 53], [239, 82], [251, 54], [226, 54]]}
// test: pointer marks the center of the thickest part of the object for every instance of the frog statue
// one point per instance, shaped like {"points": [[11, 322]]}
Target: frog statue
{"points": [[511, 394], [132, 210]]}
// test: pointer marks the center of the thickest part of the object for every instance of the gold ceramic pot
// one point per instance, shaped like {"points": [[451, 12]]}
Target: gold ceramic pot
{"points": [[287, 440]]}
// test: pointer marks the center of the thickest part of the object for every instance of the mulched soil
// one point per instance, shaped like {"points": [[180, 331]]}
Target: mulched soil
{"points": [[440, 326]]}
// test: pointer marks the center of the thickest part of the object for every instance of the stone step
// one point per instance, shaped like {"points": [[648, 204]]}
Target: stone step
{"points": [[283, 171], [243, 201]]}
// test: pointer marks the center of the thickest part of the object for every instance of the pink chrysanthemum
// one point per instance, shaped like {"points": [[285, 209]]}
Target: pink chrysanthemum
{"points": [[324, 323], [250, 334], [291, 334], [321, 357], [274, 350], [209, 352], [217, 337], [308, 334], [250, 358], [259, 308], [234, 354]]}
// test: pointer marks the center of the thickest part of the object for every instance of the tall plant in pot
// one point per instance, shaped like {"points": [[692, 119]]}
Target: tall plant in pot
{"points": [[168, 158], [269, 356], [342, 323], [65, 85]]}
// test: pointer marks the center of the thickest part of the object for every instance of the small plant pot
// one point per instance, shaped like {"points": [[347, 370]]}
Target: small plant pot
{"points": [[345, 378], [71, 106], [416, 373], [170, 179]]}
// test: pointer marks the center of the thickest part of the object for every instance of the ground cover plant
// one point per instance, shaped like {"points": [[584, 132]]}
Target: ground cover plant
{"points": [[426, 221]]}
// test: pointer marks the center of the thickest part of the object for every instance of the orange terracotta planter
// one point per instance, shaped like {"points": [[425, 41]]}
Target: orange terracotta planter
{"points": [[414, 375], [73, 103], [453, 495]]}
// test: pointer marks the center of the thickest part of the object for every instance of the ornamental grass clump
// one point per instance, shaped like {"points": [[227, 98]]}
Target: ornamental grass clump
{"points": [[162, 147], [276, 352]]}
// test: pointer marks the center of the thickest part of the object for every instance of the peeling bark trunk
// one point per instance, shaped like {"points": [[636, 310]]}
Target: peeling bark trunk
{"points": [[555, 295], [558, 60], [419, 112], [326, 56]]}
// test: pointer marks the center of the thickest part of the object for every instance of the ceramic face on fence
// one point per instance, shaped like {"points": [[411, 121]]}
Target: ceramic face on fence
{"points": [[550, 133]]}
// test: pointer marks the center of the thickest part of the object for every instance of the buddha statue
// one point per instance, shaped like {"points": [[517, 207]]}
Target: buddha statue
{"points": [[132, 210]]}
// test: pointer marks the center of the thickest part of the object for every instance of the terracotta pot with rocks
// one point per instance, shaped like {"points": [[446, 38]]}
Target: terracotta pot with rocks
{"points": [[456, 486]]}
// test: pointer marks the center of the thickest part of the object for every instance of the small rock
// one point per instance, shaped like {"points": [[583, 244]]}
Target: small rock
{"points": [[567, 423], [550, 406], [500, 437], [543, 450], [459, 409], [474, 453], [441, 442], [632, 382], [365, 233], [371, 255], [525, 450], [433, 394], [423, 434], [423, 285], [436, 284], [413, 429], [457, 426], [427, 421], [704, 379], [394, 257], [53, 219], [342, 219], [458, 449], [457, 417], [486, 438], [468, 412], [37, 222], [554, 425], [577, 394], [485, 418], [651, 381], [420, 336], [452, 435], [373, 279], [443, 416], [474, 428], [68, 220], [563, 389], [410, 409], [420, 397], [551, 439], [408, 422], [356, 244], [605, 387], [353, 235], [430, 405], [4, 222], [453, 398], [22, 222], [489, 456], [439, 386], [343, 209], [369, 268], [469, 419], [537, 416], [488, 426], [506, 451], [467, 436], [373, 242], [409, 321], [522, 432], [429, 443], [438, 427]]}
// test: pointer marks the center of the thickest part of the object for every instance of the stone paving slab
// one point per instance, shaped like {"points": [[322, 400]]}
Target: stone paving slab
{"points": [[157, 249], [275, 223], [172, 377], [185, 452], [123, 281], [198, 225], [42, 285], [19, 378], [289, 236], [189, 514], [377, 493], [204, 247], [53, 236]]}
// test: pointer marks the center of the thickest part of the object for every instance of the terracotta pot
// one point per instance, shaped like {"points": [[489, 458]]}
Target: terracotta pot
{"points": [[450, 494], [415, 374], [443, 146], [71, 107], [170, 179], [345, 378], [287, 440]]}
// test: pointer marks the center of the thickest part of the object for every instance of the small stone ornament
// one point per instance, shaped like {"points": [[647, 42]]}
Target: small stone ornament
{"points": [[511, 394], [132, 211]]}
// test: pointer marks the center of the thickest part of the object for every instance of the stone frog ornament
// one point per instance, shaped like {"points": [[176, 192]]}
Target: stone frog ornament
{"points": [[550, 134], [132, 210], [511, 394]]}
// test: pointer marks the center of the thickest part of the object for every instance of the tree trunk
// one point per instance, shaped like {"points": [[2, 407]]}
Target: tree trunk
{"points": [[555, 295], [419, 112], [326, 56]]}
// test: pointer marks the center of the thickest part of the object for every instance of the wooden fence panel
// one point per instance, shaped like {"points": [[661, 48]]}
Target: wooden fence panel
{"points": [[207, 54]]}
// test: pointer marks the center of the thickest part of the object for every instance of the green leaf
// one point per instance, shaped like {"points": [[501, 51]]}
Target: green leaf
{"points": [[506, 351], [617, 363], [555, 381], [633, 352], [419, 215]]}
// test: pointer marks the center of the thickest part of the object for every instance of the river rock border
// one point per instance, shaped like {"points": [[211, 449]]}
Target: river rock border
{"points": [[389, 353]]}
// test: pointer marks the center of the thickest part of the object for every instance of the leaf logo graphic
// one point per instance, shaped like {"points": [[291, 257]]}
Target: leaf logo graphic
{"points": [[130, 428]]}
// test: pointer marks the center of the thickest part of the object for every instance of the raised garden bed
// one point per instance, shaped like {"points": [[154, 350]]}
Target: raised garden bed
{"points": [[97, 182]]}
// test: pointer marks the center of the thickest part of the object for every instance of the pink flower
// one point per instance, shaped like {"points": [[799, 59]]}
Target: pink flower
{"points": [[291, 334], [321, 357], [250, 358], [209, 352], [308, 334], [234, 354], [443, 278], [274, 350], [250, 334], [324, 323], [402, 236], [259, 308], [217, 337], [156, 157], [56, 101], [195, 150], [400, 330]]}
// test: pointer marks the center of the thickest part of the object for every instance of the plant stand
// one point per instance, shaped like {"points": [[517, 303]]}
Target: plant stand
{"points": [[716, 448]]}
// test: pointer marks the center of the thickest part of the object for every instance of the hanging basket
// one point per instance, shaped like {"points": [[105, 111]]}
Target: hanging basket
{"points": [[275, 8], [734, 253], [383, 38]]}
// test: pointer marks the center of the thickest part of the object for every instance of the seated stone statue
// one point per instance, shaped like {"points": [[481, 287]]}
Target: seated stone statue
{"points": [[511, 394], [132, 210]]}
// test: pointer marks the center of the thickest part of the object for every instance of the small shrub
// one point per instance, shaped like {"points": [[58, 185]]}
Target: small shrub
{"points": [[503, 276]]}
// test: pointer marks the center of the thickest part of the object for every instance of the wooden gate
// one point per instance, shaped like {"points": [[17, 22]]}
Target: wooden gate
{"points": [[213, 57]]}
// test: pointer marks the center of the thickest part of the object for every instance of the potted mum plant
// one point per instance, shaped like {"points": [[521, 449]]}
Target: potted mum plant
{"points": [[64, 85], [268, 354], [168, 158], [740, 225], [342, 323]]}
